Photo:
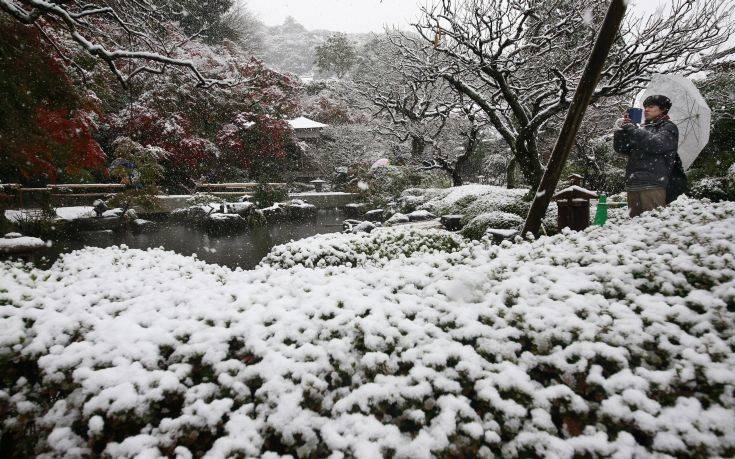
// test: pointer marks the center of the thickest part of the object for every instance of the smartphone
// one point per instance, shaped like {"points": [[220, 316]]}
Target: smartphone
{"points": [[635, 115]]}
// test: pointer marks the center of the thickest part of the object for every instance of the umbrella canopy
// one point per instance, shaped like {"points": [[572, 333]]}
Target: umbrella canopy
{"points": [[689, 112], [382, 162]]}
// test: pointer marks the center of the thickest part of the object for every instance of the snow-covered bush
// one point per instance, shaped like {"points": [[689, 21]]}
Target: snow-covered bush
{"points": [[476, 227], [473, 202], [472, 199], [375, 248], [713, 188], [611, 342], [203, 198]]}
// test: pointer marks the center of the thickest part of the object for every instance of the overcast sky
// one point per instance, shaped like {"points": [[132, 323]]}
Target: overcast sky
{"points": [[356, 15]]}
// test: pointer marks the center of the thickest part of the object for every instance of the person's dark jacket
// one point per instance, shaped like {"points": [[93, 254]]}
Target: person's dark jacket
{"points": [[652, 153]]}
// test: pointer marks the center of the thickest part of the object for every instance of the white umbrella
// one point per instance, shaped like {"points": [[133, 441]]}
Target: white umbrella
{"points": [[382, 162], [689, 112]]}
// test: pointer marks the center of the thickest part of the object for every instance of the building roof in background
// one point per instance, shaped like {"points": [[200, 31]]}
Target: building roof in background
{"points": [[305, 123]]}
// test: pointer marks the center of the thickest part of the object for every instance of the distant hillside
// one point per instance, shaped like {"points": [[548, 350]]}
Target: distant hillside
{"points": [[290, 47]]}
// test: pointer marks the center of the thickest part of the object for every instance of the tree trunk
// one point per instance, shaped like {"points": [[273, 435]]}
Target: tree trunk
{"points": [[529, 163], [456, 177], [510, 174], [418, 145]]}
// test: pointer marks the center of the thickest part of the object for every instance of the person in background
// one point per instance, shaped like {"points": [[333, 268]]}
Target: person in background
{"points": [[654, 171]]}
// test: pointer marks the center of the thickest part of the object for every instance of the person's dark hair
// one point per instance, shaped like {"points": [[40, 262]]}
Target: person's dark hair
{"points": [[661, 101]]}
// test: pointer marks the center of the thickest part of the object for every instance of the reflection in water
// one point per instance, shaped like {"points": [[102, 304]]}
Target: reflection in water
{"points": [[243, 250]]}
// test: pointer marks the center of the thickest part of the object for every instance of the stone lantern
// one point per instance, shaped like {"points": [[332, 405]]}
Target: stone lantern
{"points": [[574, 205]]}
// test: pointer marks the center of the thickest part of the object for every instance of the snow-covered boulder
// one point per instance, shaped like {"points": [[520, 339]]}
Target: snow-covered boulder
{"points": [[420, 216], [17, 243], [363, 227], [242, 208], [397, 219], [143, 226], [477, 227], [297, 209], [355, 209], [375, 215]]}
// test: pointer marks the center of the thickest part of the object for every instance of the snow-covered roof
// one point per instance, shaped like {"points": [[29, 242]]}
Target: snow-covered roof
{"points": [[305, 123], [575, 191]]}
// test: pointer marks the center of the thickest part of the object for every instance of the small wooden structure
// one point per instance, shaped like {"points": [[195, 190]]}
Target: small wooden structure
{"points": [[306, 129], [574, 205]]}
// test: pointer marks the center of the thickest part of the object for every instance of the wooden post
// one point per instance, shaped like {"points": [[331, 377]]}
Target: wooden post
{"points": [[582, 96]]}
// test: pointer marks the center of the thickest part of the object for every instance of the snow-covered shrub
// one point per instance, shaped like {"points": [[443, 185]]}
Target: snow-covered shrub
{"points": [[712, 188], [374, 248], [611, 342], [380, 185], [203, 198], [474, 201], [468, 199], [477, 227]]}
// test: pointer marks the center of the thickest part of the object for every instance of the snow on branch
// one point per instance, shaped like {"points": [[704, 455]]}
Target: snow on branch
{"points": [[100, 30]]}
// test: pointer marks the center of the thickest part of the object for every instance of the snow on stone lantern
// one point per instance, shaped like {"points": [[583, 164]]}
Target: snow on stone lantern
{"points": [[574, 205]]}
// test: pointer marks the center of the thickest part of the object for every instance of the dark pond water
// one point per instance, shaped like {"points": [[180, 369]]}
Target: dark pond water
{"points": [[244, 250]]}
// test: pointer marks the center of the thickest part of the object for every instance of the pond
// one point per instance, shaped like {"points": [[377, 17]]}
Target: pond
{"points": [[243, 250]]}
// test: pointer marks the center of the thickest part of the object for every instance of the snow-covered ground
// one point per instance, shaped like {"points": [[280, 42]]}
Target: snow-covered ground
{"points": [[615, 342]]}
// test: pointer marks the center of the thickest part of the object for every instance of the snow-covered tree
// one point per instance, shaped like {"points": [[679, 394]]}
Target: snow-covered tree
{"points": [[521, 61], [337, 55], [411, 102], [131, 37]]}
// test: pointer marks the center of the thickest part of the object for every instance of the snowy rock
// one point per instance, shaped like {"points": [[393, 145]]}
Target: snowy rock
{"points": [[348, 224], [218, 223], [130, 215], [297, 209], [143, 226], [452, 222], [355, 209], [421, 215], [17, 243], [397, 219], [478, 226], [363, 227], [375, 215], [241, 208]]}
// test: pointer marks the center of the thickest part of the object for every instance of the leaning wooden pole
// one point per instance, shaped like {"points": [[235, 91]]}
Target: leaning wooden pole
{"points": [[582, 97]]}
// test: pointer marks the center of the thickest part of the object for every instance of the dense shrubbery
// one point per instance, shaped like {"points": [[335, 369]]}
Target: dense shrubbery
{"points": [[481, 206], [382, 185], [715, 188], [613, 341], [361, 249]]}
